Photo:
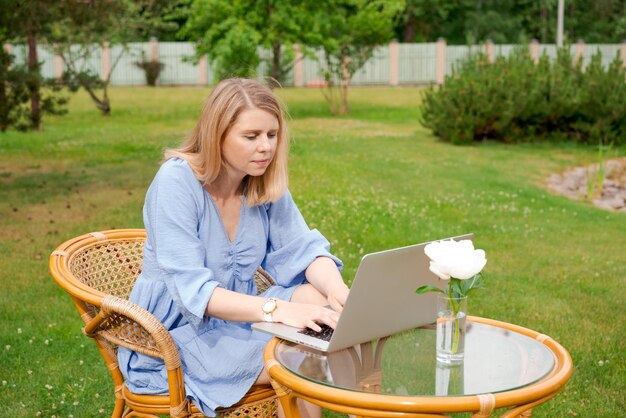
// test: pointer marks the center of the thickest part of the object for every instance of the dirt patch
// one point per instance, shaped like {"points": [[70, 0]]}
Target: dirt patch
{"points": [[584, 183]]}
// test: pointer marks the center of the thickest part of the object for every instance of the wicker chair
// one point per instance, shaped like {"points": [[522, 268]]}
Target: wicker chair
{"points": [[98, 270]]}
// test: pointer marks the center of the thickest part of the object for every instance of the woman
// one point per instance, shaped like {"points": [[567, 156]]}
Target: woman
{"points": [[217, 210]]}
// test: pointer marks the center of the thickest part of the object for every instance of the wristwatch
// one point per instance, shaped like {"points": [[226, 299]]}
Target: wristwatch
{"points": [[268, 308]]}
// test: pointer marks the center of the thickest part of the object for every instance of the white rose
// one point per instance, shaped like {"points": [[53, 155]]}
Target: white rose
{"points": [[456, 259]]}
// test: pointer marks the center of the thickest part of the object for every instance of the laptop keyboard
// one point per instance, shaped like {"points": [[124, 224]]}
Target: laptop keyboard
{"points": [[324, 334]]}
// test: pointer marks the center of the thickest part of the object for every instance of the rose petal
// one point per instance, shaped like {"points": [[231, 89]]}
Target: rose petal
{"points": [[434, 267], [456, 259]]}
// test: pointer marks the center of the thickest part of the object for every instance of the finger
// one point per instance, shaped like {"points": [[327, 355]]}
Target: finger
{"points": [[331, 319], [336, 305], [314, 326]]}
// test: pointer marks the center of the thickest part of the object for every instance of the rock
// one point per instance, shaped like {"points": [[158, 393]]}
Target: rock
{"points": [[615, 203], [573, 183]]}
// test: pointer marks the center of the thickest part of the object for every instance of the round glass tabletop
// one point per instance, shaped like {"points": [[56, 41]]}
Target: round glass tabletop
{"points": [[496, 360]]}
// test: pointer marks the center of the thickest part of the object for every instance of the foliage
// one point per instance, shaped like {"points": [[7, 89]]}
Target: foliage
{"points": [[15, 112], [510, 21], [151, 69], [515, 100], [13, 93], [231, 33], [26, 22], [595, 176], [350, 34]]}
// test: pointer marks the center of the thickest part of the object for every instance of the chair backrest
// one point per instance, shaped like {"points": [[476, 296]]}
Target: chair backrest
{"points": [[110, 266], [99, 270]]}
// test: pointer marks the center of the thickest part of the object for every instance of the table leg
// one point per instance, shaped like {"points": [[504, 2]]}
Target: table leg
{"points": [[288, 401]]}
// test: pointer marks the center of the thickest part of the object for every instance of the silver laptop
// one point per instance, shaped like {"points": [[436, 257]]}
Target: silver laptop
{"points": [[381, 302]]}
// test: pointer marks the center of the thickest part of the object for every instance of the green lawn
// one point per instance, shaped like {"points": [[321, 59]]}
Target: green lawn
{"points": [[370, 181]]}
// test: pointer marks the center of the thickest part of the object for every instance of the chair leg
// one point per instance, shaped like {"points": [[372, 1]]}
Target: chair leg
{"points": [[134, 414], [118, 409]]}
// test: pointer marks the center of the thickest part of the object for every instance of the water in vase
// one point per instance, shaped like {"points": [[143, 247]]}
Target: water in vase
{"points": [[450, 337]]}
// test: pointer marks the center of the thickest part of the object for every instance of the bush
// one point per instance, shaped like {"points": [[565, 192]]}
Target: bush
{"points": [[151, 69], [514, 100]]}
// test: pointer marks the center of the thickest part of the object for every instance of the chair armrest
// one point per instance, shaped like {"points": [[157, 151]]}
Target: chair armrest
{"points": [[125, 324]]}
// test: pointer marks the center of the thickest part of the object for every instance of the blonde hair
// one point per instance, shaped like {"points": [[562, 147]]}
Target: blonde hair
{"points": [[203, 148]]}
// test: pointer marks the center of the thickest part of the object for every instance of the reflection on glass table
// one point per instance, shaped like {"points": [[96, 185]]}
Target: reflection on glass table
{"points": [[404, 364], [501, 362]]}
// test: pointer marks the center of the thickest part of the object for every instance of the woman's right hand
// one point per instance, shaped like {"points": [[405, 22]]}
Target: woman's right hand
{"points": [[304, 315]]}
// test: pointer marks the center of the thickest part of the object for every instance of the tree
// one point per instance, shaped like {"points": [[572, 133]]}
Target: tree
{"points": [[85, 27], [231, 32], [351, 32], [422, 20], [26, 21], [13, 92], [510, 21]]}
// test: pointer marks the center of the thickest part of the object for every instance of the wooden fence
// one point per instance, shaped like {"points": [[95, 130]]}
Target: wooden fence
{"points": [[394, 64]]}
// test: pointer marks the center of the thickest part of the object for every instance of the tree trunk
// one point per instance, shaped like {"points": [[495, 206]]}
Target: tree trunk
{"points": [[105, 107], [5, 65], [102, 104], [276, 70], [345, 83], [4, 106], [33, 83], [544, 24], [410, 28]]}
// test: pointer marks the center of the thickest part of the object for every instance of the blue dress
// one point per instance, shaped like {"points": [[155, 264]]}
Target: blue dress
{"points": [[187, 254]]}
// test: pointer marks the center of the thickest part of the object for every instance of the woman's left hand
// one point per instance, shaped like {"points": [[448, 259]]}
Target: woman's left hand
{"points": [[337, 295], [324, 275]]}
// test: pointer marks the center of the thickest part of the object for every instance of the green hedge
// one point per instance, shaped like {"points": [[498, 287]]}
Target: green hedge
{"points": [[515, 99]]}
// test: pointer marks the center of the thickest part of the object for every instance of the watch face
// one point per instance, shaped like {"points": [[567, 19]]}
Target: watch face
{"points": [[269, 306]]}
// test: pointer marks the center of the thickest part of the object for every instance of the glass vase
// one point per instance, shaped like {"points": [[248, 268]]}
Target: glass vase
{"points": [[449, 380], [451, 322]]}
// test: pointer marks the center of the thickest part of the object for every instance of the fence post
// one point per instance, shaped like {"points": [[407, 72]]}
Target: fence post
{"points": [[203, 77], [154, 49], [489, 49], [298, 66], [58, 64], [394, 63], [440, 66], [579, 50], [154, 55], [534, 50], [623, 52], [105, 58]]}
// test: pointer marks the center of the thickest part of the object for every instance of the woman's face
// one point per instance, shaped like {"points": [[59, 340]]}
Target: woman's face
{"points": [[250, 144]]}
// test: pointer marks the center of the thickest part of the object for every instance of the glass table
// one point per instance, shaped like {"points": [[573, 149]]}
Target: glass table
{"points": [[505, 366]]}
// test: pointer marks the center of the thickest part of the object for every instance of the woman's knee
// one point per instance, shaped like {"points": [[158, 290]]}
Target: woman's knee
{"points": [[263, 379]]}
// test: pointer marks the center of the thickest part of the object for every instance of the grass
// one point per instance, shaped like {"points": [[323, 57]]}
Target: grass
{"points": [[373, 180]]}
